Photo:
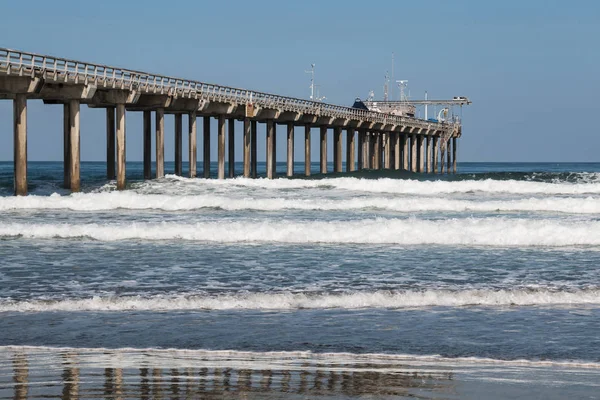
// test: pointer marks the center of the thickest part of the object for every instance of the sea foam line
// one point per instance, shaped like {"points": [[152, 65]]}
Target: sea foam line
{"points": [[296, 301], [499, 231], [136, 201]]}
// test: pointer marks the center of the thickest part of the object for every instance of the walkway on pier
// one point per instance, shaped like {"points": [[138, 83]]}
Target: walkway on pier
{"points": [[373, 140]]}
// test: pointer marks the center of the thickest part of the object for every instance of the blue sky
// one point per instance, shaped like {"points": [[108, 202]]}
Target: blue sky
{"points": [[530, 67]]}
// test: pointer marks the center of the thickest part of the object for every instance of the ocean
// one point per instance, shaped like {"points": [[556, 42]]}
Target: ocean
{"points": [[372, 284]]}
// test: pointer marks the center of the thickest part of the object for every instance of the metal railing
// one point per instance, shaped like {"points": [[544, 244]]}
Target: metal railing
{"points": [[14, 62]]}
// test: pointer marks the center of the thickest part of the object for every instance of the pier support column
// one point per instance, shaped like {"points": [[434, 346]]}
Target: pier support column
{"points": [[367, 145], [270, 148], [454, 154], [337, 149], [66, 146], [323, 130], [443, 148], [231, 146], [110, 143], [221, 147], [253, 156], [377, 151], [290, 149], [361, 140], [350, 149], [74, 144], [147, 132], [206, 147], [160, 142], [307, 150], [246, 141], [193, 148], [387, 150], [178, 144], [449, 155], [422, 143], [436, 153], [120, 146], [405, 153], [20, 144], [413, 153], [397, 150], [429, 152]]}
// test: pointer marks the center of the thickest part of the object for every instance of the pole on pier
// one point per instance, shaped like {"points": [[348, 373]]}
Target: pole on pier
{"points": [[206, 147], [120, 146], [66, 146], [270, 148], [449, 155], [221, 147], [323, 131], [110, 143], [413, 153], [20, 144], [74, 144], [193, 147], [253, 156], [307, 150], [147, 132], [454, 154], [246, 141], [429, 151], [350, 149], [290, 149], [397, 150], [436, 153], [178, 144], [231, 146], [160, 142], [387, 150], [405, 152], [337, 149]]}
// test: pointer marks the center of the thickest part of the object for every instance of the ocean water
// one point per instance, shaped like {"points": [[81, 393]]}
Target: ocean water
{"points": [[374, 284]]}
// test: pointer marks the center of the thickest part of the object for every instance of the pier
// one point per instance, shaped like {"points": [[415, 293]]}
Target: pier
{"points": [[374, 140]]}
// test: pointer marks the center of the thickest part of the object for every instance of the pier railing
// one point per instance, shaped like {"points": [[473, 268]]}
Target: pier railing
{"points": [[13, 62]]}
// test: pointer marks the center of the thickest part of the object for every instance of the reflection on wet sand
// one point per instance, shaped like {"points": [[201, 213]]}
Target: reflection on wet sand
{"points": [[71, 375]]}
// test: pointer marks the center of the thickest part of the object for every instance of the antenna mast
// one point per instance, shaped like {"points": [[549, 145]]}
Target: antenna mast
{"points": [[385, 87], [392, 88], [312, 81]]}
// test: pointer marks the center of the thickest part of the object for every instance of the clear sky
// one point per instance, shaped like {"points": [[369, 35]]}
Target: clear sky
{"points": [[530, 67]]}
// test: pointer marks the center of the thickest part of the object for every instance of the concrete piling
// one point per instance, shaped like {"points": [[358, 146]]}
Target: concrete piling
{"points": [[160, 142], [360, 152], [20, 144], [66, 146], [454, 154], [405, 153], [377, 151], [270, 148], [231, 146], [193, 148], [323, 155], [221, 147], [413, 153], [443, 150], [367, 148], [350, 149], [253, 144], [121, 147], [246, 141], [436, 153], [147, 132], [178, 144], [421, 155], [74, 145], [307, 150], [337, 149], [110, 143], [429, 151], [449, 156], [397, 150], [206, 147], [290, 149], [387, 150]]}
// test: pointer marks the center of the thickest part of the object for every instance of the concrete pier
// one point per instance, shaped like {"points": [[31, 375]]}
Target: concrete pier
{"points": [[221, 147], [381, 140], [206, 147], [231, 146], [193, 137], [270, 149], [160, 142], [307, 150], [290, 150], [350, 149], [253, 144], [247, 140], [323, 159], [110, 143], [337, 149], [20, 144], [121, 147], [74, 134], [147, 132], [178, 144]]}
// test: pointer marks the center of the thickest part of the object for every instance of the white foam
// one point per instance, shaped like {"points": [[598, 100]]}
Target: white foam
{"points": [[404, 186], [295, 301], [499, 231], [136, 201]]}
